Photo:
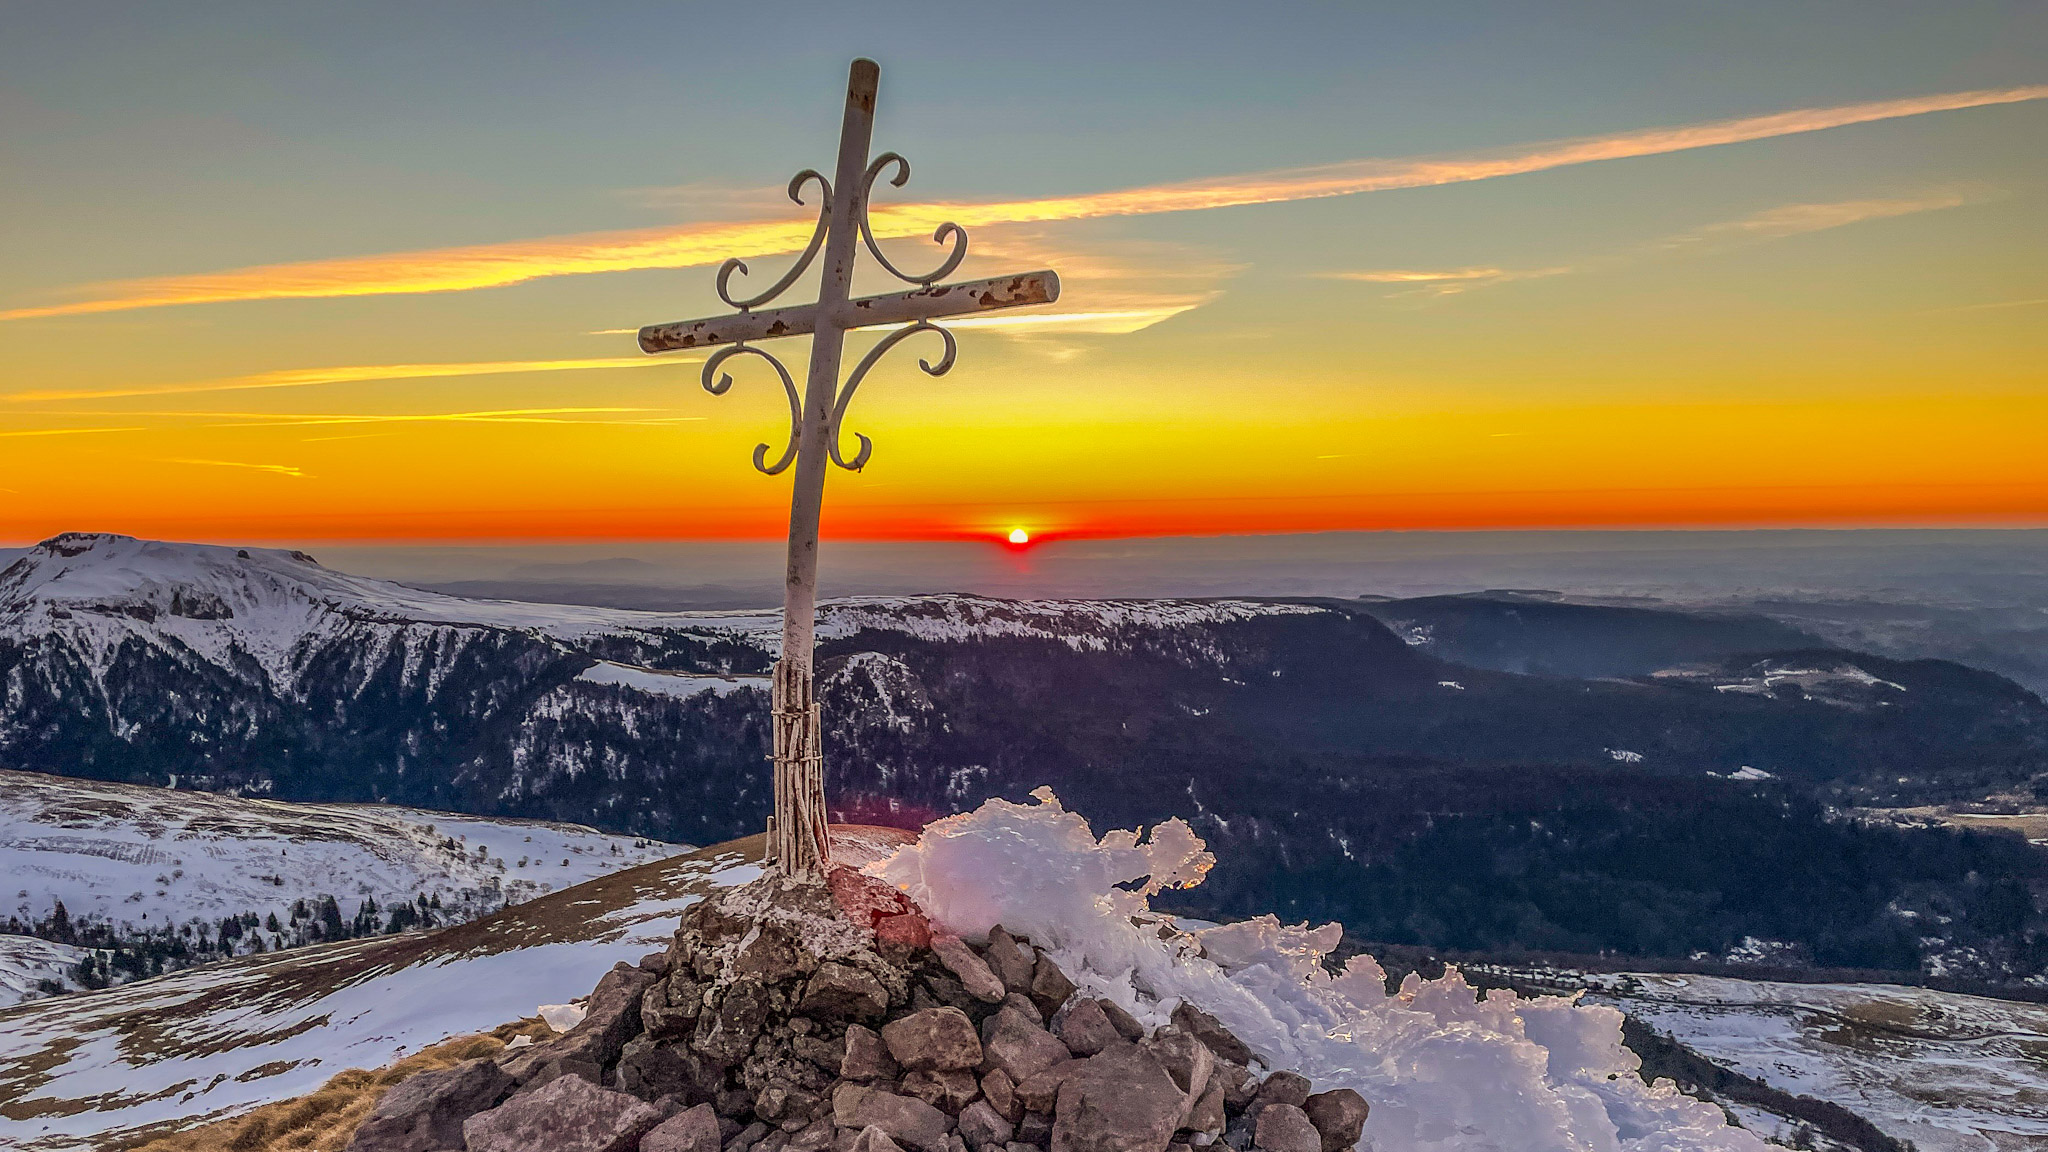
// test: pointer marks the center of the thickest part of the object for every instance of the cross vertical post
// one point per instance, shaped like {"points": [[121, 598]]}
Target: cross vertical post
{"points": [[797, 841]]}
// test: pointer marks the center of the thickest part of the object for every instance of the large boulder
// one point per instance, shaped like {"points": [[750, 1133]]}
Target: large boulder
{"points": [[1339, 1115], [569, 1114], [611, 1017], [1015, 1043], [691, 1130], [1285, 1128], [902, 1118], [1210, 1031], [1284, 1088], [981, 1126], [1085, 1028], [1121, 1100], [842, 992], [972, 971], [425, 1113], [867, 1057], [1012, 962], [936, 1038]]}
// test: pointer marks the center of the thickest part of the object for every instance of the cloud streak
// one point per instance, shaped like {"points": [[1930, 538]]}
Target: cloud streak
{"points": [[349, 374], [1769, 224], [497, 265]]}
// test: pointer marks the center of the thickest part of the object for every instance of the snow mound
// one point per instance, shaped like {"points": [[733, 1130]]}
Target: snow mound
{"points": [[1443, 1069]]}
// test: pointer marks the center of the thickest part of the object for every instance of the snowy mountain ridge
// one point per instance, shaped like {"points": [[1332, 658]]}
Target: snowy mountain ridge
{"points": [[273, 608]]}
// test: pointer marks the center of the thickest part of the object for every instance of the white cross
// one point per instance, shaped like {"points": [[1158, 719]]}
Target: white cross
{"points": [[796, 833]]}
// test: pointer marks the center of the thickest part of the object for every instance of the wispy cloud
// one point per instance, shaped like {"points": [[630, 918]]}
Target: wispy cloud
{"points": [[71, 431], [1769, 224], [1446, 282], [346, 374], [494, 265], [1799, 219], [278, 469], [1994, 304]]}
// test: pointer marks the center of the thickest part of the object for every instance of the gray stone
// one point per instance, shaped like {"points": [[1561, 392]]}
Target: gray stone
{"points": [[1339, 1115], [1037, 1093], [873, 1139], [1120, 1101], [1085, 1029], [1035, 1129], [1284, 1088], [650, 1070], [982, 1126], [537, 1075], [691, 1130], [1050, 987], [1239, 1089], [1001, 1092], [973, 972], [749, 1136], [842, 992], [1188, 1060], [611, 1016], [827, 1054], [867, 1057], [1021, 1003], [425, 1112], [1286, 1128], [671, 1007], [726, 1033], [569, 1114], [1207, 1113], [948, 1090], [1210, 1031], [1011, 962], [1126, 1025], [936, 1038], [813, 1137], [905, 1120], [1017, 1045]]}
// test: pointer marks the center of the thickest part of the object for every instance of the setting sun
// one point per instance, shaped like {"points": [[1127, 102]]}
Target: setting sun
{"points": [[1019, 536]]}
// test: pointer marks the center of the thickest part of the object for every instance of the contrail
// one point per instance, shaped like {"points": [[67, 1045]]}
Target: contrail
{"points": [[496, 265]]}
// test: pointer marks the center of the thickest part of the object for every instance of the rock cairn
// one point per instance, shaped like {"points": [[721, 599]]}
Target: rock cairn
{"points": [[795, 1017]]}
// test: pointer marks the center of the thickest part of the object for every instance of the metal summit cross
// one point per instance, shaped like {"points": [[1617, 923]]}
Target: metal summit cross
{"points": [[796, 833]]}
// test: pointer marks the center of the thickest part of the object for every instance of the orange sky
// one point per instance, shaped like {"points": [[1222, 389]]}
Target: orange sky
{"points": [[1742, 310]]}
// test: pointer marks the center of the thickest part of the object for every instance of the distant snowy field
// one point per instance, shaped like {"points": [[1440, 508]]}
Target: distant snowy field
{"points": [[1951, 1073], [140, 858]]}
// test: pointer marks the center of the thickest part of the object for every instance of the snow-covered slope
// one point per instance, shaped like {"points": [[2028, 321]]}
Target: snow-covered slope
{"points": [[1951, 1073], [267, 611], [98, 1068], [137, 859]]}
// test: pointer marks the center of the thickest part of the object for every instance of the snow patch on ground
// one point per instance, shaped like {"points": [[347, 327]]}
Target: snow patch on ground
{"points": [[25, 962], [1443, 1069], [87, 1070], [139, 858], [1949, 1072], [681, 685]]}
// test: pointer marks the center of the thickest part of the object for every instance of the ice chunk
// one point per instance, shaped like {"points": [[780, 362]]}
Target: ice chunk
{"points": [[1444, 1069]]}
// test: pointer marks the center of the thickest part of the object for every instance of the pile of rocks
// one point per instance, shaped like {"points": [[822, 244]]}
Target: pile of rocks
{"points": [[802, 1017]]}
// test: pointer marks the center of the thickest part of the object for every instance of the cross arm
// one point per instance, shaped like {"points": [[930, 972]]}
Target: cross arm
{"points": [[931, 302]]}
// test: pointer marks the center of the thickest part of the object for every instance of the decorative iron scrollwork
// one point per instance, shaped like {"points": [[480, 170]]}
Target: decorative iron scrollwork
{"points": [[718, 387], [939, 235], [860, 371], [796, 186]]}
